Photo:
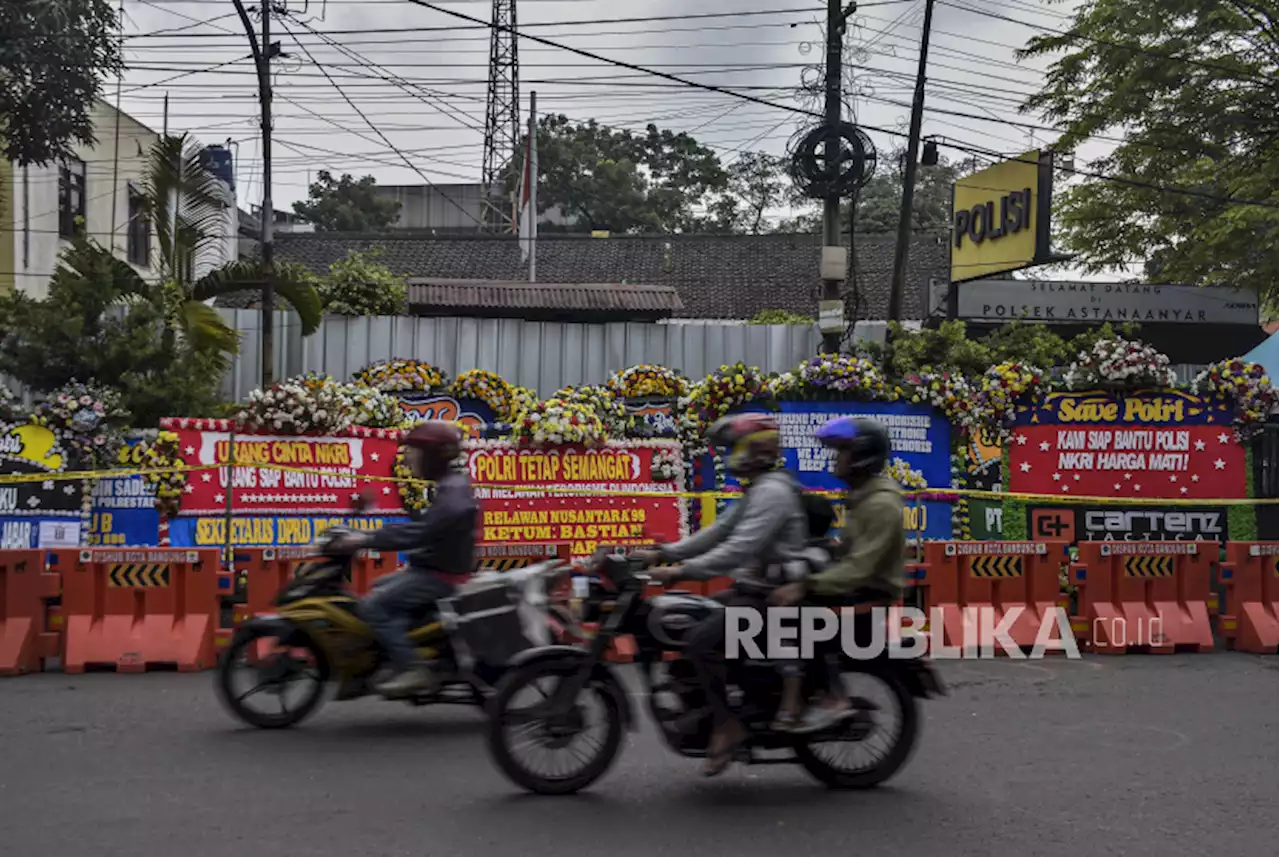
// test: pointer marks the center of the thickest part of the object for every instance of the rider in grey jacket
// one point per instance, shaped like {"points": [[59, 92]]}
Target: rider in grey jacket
{"points": [[761, 532]]}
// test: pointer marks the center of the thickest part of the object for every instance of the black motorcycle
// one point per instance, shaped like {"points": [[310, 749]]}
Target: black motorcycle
{"points": [[586, 695]]}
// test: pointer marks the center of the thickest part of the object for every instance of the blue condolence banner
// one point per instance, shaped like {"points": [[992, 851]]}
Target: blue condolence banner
{"points": [[921, 438]]}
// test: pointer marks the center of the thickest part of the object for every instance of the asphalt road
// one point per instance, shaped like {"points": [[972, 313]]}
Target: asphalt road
{"points": [[1136, 755]]}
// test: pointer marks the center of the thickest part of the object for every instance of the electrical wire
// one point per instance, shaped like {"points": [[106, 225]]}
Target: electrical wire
{"points": [[385, 140]]}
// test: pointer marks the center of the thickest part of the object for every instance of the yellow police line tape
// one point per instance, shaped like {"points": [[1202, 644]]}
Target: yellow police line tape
{"points": [[1058, 499]]}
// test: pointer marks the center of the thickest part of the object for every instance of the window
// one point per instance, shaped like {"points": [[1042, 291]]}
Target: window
{"points": [[139, 237], [70, 197]]}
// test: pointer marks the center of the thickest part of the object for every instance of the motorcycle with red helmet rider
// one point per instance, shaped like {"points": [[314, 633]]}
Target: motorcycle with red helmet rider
{"points": [[440, 633]]}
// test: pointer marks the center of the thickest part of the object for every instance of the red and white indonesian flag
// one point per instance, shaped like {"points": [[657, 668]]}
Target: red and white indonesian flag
{"points": [[528, 216]]}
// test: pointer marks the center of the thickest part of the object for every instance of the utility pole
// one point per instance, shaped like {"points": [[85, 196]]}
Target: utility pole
{"points": [[262, 59], [834, 254], [909, 176]]}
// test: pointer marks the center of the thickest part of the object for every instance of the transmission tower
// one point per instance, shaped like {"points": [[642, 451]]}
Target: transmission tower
{"points": [[501, 116]]}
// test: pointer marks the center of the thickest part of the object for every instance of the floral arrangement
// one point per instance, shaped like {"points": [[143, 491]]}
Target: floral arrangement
{"points": [[908, 478], [949, 392], [414, 496], [371, 408], [723, 390], [557, 421], [604, 403], [522, 400], [666, 465], [647, 380], [1246, 386], [315, 380], [488, 387], [999, 391], [1119, 364], [296, 406], [88, 420], [401, 376], [838, 373], [159, 453]]}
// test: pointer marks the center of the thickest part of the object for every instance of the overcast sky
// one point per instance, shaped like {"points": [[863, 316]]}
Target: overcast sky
{"points": [[973, 70]]}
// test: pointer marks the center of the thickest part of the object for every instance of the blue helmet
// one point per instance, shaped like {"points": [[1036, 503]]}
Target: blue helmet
{"points": [[864, 439]]}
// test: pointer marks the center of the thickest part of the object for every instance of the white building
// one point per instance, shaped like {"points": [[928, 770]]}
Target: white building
{"points": [[39, 206]]}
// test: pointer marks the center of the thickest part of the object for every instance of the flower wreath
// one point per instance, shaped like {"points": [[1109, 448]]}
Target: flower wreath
{"points": [[1248, 389], [159, 453], [906, 476], [414, 496], [557, 421], [296, 406], [604, 403], [836, 373], [372, 408], [723, 390], [999, 390], [667, 465], [87, 419], [488, 387], [1119, 364], [647, 379], [402, 376], [949, 392]]}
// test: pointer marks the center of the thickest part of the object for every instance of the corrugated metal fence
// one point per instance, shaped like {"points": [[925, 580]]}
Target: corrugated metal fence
{"points": [[543, 356]]}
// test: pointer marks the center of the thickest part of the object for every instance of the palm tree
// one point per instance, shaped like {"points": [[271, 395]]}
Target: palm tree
{"points": [[184, 202]]}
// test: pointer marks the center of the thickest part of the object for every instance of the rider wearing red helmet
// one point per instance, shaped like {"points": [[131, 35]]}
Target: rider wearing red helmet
{"points": [[440, 543]]}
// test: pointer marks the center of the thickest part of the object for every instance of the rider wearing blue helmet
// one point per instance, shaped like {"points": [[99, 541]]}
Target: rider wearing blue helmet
{"points": [[874, 542]]}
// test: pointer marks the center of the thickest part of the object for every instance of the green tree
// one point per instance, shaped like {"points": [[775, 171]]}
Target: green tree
{"points": [[780, 316], [358, 285], [880, 201], [347, 205], [1190, 85], [45, 102], [757, 182], [603, 178], [85, 329], [184, 203]]}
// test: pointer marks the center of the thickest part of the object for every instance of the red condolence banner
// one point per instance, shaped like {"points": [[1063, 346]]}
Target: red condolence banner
{"points": [[328, 487], [570, 507], [1149, 445]]}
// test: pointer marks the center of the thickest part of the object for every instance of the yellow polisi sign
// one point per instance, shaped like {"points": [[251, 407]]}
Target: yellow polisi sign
{"points": [[1148, 566], [995, 566], [138, 575], [1000, 217]]}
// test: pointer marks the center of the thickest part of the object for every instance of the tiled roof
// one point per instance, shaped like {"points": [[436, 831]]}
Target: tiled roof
{"points": [[716, 276], [589, 297]]}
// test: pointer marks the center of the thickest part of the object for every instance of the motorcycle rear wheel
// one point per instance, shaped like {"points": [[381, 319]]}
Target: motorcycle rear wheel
{"points": [[235, 702], [498, 738], [908, 735]]}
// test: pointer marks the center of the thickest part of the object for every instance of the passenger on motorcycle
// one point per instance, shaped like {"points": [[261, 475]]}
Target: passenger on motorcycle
{"points": [[871, 570], [440, 543], [756, 536]]}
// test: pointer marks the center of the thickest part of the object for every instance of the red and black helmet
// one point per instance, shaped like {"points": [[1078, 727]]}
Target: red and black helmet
{"points": [[751, 441], [437, 437]]}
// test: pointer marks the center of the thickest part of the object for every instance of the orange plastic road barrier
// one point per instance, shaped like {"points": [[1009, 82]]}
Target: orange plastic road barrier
{"points": [[25, 587], [1152, 596], [133, 609], [1250, 576], [1000, 575]]}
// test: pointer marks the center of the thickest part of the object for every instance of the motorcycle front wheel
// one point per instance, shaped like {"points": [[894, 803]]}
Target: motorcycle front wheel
{"points": [[519, 732], [822, 756], [274, 671]]}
